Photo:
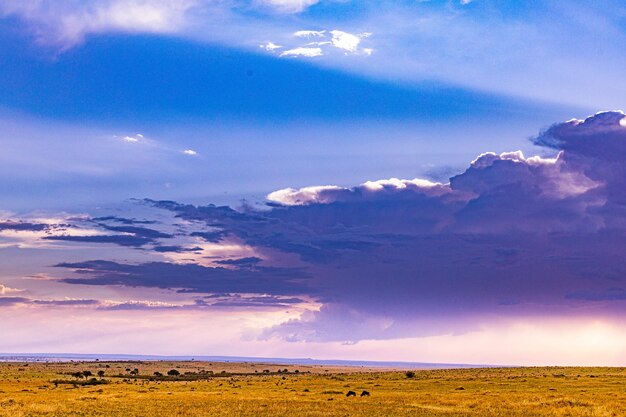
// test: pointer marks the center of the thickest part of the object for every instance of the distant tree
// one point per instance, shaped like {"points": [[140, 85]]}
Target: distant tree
{"points": [[173, 372], [77, 375], [410, 374], [87, 373], [158, 373], [101, 373]]}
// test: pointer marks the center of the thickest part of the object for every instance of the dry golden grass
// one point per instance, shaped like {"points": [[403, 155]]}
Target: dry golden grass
{"points": [[314, 391]]}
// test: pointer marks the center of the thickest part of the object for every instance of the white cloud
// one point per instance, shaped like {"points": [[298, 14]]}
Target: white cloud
{"points": [[7, 290], [303, 51], [132, 139], [310, 33], [270, 46], [68, 22], [190, 152], [289, 6], [326, 194], [347, 41], [322, 44], [306, 195]]}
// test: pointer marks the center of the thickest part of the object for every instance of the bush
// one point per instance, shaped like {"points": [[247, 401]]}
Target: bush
{"points": [[173, 372], [410, 374], [92, 381]]}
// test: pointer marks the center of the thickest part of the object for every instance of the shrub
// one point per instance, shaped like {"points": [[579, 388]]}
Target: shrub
{"points": [[410, 374], [173, 372]]}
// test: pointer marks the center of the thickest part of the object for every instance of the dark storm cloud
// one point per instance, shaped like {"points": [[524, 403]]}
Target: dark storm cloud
{"points": [[143, 232], [174, 249], [190, 278], [20, 226], [122, 240], [11, 301], [511, 235], [240, 262], [213, 237], [132, 236], [122, 220], [238, 300]]}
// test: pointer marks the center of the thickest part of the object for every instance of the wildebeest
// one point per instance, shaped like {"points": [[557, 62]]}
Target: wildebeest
{"points": [[351, 394], [365, 394]]}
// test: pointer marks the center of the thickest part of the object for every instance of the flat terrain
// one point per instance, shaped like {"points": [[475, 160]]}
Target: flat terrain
{"points": [[247, 389]]}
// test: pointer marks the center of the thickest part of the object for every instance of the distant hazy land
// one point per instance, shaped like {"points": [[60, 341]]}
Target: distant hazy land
{"points": [[68, 357]]}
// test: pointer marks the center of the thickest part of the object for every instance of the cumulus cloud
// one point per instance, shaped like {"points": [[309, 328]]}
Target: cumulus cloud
{"points": [[511, 235], [346, 41], [370, 189], [322, 42]]}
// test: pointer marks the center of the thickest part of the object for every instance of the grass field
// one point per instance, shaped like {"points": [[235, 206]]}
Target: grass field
{"points": [[244, 389]]}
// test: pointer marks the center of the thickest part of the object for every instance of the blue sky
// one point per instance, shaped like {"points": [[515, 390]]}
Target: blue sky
{"points": [[290, 113]]}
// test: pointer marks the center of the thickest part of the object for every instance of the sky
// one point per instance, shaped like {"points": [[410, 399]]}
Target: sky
{"points": [[419, 180]]}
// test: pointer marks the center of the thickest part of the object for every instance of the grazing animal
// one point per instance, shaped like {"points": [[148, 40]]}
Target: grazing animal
{"points": [[365, 394], [351, 394]]}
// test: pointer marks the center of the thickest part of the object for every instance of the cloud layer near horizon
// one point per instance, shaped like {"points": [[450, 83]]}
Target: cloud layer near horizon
{"points": [[512, 236]]}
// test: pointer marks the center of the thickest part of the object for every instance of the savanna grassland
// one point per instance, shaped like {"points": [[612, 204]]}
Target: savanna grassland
{"points": [[245, 389]]}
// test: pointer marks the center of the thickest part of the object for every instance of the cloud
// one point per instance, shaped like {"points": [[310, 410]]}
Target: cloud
{"points": [[346, 41], [371, 189], [190, 278], [68, 302], [190, 152], [175, 249], [270, 46], [511, 236], [67, 22], [318, 43], [131, 139], [129, 235], [122, 220], [310, 33], [22, 226], [6, 290], [308, 52]]}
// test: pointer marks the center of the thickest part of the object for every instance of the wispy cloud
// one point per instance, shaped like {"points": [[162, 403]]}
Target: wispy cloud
{"points": [[68, 22], [309, 52]]}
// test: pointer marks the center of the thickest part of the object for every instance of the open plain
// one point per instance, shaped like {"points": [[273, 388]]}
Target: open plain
{"points": [[251, 389]]}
